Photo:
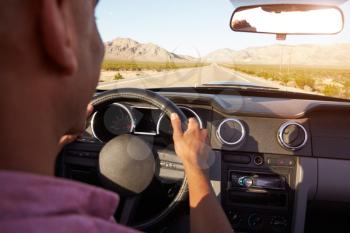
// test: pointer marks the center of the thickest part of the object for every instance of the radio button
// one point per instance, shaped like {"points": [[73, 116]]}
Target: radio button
{"points": [[246, 181], [258, 160], [283, 162], [279, 224], [255, 222], [236, 218]]}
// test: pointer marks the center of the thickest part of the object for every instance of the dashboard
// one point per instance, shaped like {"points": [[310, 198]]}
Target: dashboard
{"points": [[274, 153]]}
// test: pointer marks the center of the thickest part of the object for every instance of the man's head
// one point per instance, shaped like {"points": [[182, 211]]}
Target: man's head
{"points": [[73, 45], [59, 40], [50, 60]]}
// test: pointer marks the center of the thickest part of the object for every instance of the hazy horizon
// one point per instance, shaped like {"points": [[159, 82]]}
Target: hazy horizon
{"points": [[277, 43]]}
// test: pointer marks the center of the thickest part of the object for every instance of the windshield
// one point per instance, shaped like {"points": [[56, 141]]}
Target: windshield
{"points": [[156, 43]]}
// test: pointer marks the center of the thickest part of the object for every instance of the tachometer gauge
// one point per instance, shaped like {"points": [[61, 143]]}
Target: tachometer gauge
{"points": [[118, 119], [164, 124]]}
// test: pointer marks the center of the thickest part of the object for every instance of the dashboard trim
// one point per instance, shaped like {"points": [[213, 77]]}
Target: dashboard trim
{"points": [[144, 133], [223, 141], [92, 126], [283, 143]]}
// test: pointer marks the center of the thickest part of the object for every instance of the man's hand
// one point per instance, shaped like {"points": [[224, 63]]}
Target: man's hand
{"points": [[69, 138], [190, 146], [206, 214]]}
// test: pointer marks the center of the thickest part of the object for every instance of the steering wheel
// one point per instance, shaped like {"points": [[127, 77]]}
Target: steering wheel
{"points": [[128, 163]]}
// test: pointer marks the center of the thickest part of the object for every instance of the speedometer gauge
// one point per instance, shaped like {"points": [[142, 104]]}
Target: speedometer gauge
{"points": [[114, 120], [118, 119]]}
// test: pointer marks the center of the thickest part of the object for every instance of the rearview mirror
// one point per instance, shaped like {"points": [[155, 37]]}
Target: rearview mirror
{"points": [[287, 19]]}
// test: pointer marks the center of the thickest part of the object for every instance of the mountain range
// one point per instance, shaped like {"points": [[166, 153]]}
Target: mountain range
{"points": [[124, 49]]}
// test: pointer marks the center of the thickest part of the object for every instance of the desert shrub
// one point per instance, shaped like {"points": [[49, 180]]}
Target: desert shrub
{"points": [[285, 79], [110, 65], [331, 90], [347, 88], [305, 81], [118, 76]]}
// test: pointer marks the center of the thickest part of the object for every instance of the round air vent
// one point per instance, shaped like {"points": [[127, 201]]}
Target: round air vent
{"points": [[292, 136], [231, 132]]}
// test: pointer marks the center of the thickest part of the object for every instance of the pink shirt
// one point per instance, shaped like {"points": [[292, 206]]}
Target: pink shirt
{"points": [[31, 203]]}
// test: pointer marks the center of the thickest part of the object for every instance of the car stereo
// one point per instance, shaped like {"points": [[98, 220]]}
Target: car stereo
{"points": [[248, 180], [257, 191]]}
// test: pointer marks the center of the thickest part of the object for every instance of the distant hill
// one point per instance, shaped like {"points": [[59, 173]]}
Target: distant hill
{"points": [[222, 56], [125, 49], [308, 54]]}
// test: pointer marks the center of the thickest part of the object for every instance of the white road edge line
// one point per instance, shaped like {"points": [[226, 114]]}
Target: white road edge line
{"points": [[233, 73]]}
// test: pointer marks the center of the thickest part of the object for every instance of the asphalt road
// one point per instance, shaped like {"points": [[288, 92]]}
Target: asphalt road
{"points": [[188, 77]]}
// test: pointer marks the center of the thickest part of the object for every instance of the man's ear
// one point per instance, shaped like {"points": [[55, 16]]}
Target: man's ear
{"points": [[56, 37]]}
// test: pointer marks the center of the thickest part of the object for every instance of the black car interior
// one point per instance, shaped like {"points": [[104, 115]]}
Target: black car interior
{"points": [[279, 161]]}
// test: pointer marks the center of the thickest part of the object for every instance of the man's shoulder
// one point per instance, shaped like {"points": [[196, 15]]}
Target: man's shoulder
{"points": [[31, 203], [62, 224]]}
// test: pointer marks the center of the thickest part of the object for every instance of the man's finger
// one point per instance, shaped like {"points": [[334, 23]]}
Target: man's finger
{"points": [[89, 110], [204, 133], [192, 124], [67, 139], [176, 124]]}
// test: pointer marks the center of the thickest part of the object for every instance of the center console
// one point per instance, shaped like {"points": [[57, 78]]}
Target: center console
{"points": [[258, 191]]}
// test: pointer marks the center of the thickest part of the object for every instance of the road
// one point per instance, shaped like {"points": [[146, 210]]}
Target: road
{"points": [[189, 77]]}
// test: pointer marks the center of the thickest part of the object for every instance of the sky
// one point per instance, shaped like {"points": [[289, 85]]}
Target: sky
{"points": [[190, 27]]}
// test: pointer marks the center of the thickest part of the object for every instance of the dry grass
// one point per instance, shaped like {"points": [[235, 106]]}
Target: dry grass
{"points": [[139, 66], [328, 81]]}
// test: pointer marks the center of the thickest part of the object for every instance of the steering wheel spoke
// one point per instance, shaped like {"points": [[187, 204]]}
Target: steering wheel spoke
{"points": [[170, 167], [130, 204]]}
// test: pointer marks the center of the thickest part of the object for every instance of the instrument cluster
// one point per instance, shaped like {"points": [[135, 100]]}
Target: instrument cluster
{"points": [[121, 118]]}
